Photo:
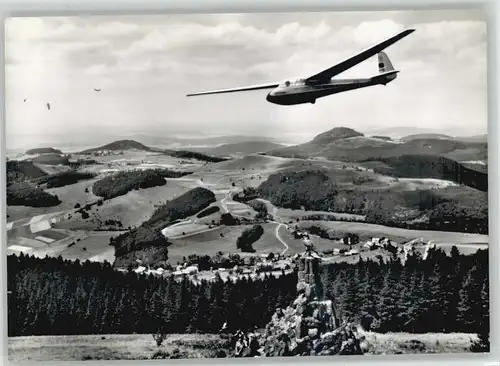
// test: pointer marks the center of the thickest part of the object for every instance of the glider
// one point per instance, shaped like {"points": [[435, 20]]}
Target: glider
{"points": [[322, 84], [97, 90]]}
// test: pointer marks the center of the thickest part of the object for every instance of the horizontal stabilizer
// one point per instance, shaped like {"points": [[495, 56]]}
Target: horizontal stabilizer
{"points": [[385, 77]]}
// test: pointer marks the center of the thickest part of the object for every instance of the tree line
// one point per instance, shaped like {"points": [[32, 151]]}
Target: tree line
{"points": [[27, 194], [52, 296], [443, 293], [184, 154]]}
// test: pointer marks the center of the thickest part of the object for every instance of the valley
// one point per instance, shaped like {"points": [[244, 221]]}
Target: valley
{"points": [[83, 224]]}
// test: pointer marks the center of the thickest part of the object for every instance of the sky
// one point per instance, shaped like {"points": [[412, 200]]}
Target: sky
{"points": [[145, 65]]}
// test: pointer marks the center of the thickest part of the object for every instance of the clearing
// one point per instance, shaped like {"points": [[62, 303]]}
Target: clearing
{"points": [[142, 346], [106, 347]]}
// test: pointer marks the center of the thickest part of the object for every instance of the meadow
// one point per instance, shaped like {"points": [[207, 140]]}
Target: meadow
{"points": [[143, 346]]}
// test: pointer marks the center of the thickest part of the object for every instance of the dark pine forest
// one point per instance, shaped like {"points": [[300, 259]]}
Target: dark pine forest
{"points": [[52, 296]]}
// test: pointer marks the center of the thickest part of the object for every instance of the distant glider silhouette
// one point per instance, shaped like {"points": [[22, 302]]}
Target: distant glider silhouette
{"points": [[97, 90]]}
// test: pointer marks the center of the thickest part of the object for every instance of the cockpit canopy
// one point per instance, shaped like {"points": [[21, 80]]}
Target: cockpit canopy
{"points": [[291, 83]]}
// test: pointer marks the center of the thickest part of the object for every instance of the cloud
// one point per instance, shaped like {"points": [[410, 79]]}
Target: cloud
{"points": [[146, 64]]}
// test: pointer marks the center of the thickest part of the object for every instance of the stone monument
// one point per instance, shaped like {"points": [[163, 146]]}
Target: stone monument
{"points": [[309, 326]]}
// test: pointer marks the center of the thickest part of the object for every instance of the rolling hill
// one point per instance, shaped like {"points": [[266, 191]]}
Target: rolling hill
{"points": [[451, 209], [43, 150], [123, 145], [351, 146], [335, 134], [51, 159], [164, 138], [247, 147], [120, 145], [432, 136], [437, 167], [477, 138], [20, 171], [401, 131]]}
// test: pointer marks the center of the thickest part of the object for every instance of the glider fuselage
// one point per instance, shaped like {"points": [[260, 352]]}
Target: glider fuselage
{"points": [[321, 84], [299, 92]]}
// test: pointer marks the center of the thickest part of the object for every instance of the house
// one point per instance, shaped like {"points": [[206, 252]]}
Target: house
{"points": [[384, 241], [140, 269], [190, 270], [369, 244]]}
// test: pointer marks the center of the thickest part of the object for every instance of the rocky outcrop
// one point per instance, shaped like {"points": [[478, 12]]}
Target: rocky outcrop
{"points": [[309, 326]]}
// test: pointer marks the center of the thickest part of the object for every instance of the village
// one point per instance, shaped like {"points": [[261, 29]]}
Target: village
{"points": [[257, 266]]}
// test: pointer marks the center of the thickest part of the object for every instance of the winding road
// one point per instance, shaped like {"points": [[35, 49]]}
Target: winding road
{"points": [[278, 236], [278, 224]]}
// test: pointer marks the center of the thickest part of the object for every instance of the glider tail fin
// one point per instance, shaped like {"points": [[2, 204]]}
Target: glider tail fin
{"points": [[386, 70], [384, 64]]}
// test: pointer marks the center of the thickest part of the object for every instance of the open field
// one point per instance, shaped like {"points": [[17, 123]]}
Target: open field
{"points": [[71, 245], [238, 209], [142, 346], [136, 206], [412, 184], [320, 244], [366, 231], [269, 242], [407, 343], [69, 195], [209, 243], [94, 247], [287, 214], [53, 169], [105, 347], [185, 228]]}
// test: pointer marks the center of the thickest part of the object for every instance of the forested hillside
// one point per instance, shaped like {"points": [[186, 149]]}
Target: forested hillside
{"points": [[183, 154], [20, 171], [459, 209], [429, 166], [146, 242], [26, 194], [123, 182], [439, 294], [62, 297], [66, 178]]}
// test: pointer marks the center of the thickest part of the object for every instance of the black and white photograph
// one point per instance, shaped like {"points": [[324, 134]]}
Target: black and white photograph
{"points": [[188, 186]]}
